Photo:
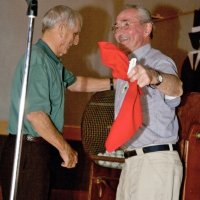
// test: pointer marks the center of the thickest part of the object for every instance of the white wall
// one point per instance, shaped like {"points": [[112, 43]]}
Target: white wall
{"points": [[171, 36]]}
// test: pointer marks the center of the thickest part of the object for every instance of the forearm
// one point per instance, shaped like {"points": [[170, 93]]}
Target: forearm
{"points": [[46, 129], [88, 84], [171, 85]]}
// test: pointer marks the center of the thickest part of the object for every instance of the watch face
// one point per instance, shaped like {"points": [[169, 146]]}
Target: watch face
{"points": [[160, 78]]}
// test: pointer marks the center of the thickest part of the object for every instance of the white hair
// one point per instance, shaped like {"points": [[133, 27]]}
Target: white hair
{"points": [[59, 14]]}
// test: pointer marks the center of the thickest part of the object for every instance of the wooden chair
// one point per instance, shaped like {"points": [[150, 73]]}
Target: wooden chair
{"points": [[96, 122], [189, 118]]}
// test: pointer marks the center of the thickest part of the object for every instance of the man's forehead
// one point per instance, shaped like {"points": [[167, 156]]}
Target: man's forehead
{"points": [[127, 15]]}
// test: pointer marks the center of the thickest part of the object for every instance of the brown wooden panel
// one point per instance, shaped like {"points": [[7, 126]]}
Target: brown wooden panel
{"points": [[103, 182], [192, 170]]}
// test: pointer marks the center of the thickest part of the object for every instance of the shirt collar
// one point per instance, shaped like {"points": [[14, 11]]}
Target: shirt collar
{"points": [[140, 52], [40, 43]]}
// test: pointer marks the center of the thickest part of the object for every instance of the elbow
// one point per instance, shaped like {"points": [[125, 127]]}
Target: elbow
{"points": [[34, 116], [175, 90], [75, 88], [79, 85], [178, 89], [30, 116], [181, 88], [71, 89]]}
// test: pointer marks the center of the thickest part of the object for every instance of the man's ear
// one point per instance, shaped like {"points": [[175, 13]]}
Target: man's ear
{"points": [[61, 29], [148, 29]]}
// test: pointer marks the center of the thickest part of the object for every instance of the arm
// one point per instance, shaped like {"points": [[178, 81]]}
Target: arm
{"points": [[88, 84], [45, 128], [171, 85]]}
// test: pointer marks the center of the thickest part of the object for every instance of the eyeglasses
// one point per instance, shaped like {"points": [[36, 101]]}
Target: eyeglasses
{"points": [[124, 25]]}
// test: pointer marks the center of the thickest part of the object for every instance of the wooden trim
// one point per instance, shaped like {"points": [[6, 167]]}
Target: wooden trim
{"points": [[71, 132], [3, 127]]}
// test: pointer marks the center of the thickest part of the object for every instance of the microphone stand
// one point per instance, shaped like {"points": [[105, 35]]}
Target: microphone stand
{"points": [[32, 13]]}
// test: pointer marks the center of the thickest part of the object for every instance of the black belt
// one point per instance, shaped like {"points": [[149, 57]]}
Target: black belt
{"points": [[149, 149], [29, 138]]}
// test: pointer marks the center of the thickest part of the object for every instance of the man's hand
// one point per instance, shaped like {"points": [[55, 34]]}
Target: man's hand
{"points": [[143, 75], [171, 84], [46, 129], [69, 156]]}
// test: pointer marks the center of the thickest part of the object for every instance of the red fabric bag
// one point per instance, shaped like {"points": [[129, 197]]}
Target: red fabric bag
{"points": [[129, 118]]}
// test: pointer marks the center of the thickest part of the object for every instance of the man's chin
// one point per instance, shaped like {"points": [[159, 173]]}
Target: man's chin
{"points": [[124, 48], [65, 52]]}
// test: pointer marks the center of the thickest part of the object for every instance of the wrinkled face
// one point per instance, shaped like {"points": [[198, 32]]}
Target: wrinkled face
{"points": [[69, 37], [129, 32]]}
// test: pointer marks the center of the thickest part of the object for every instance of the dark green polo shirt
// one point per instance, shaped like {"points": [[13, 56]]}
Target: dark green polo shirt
{"points": [[45, 89]]}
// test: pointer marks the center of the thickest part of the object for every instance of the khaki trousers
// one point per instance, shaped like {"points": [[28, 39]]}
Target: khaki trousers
{"points": [[151, 176]]}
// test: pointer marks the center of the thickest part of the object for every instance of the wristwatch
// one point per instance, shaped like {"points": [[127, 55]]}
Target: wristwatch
{"points": [[159, 78]]}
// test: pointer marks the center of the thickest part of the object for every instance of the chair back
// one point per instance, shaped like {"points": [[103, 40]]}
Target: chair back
{"points": [[96, 122]]}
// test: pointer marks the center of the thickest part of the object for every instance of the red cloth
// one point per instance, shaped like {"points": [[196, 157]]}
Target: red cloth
{"points": [[129, 118]]}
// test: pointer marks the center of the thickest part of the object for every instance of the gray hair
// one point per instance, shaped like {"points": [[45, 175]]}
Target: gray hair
{"points": [[59, 14], [144, 15]]}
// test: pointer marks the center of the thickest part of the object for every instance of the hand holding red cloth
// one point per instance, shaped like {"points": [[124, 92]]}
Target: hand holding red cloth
{"points": [[129, 118]]}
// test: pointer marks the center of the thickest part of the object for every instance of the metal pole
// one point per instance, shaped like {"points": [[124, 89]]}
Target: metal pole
{"points": [[32, 12]]}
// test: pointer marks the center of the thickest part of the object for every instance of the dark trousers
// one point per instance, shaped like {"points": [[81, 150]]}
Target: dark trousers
{"points": [[34, 173]]}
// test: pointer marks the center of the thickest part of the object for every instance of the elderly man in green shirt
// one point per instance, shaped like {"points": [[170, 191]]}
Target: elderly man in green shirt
{"points": [[44, 108]]}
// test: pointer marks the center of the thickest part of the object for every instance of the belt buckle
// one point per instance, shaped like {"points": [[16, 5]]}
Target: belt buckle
{"points": [[139, 151], [29, 138]]}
